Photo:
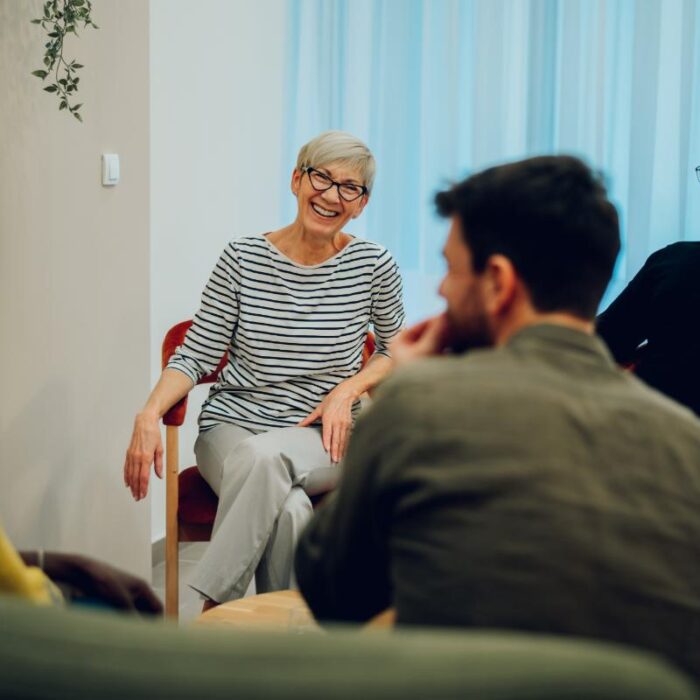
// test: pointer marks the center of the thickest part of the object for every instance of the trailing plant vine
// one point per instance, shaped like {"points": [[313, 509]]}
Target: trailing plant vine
{"points": [[61, 17]]}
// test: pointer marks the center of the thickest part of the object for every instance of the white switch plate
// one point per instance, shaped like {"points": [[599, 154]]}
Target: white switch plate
{"points": [[110, 169]]}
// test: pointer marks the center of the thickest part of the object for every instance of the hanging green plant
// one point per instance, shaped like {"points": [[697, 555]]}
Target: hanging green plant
{"points": [[61, 17]]}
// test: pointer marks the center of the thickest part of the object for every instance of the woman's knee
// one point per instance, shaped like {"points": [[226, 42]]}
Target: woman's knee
{"points": [[212, 449], [297, 506], [209, 463]]}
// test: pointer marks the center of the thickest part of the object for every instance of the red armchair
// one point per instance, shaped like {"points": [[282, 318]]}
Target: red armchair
{"points": [[190, 502]]}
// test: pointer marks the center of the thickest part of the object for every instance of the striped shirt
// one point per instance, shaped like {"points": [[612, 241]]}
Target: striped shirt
{"points": [[292, 332]]}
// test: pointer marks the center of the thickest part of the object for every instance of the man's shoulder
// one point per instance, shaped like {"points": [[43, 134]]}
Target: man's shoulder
{"points": [[441, 380], [484, 380], [484, 366], [515, 410]]}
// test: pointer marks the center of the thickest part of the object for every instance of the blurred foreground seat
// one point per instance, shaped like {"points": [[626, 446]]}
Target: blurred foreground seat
{"points": [[58, 653]]}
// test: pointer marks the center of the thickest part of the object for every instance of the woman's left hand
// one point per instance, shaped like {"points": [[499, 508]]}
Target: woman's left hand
{"points": [[335, 411]]}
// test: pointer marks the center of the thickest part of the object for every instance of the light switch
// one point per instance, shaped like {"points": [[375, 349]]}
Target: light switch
{"points": [[110, 169]]}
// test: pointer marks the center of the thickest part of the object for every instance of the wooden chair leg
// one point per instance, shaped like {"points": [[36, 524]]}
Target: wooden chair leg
{"points": [[172, 467]]}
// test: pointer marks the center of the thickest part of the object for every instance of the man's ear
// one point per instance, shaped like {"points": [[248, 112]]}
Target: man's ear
{"points": [[499, 285]]}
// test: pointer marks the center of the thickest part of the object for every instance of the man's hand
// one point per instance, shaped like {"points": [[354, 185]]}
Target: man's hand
{"points": [[146, 448], [336, 413], [425, 339], [95, 579]]}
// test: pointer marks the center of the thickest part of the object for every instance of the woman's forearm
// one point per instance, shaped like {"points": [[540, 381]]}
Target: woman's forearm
{"points": [[170, 388], [376, 369]]}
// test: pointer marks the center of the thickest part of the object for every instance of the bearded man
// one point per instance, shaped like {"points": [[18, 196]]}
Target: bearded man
{"points": [[528, 483]]}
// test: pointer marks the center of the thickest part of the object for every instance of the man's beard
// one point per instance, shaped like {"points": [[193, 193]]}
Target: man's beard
{"points": [[468, 333]]}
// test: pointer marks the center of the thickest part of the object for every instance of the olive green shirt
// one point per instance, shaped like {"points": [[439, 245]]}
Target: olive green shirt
{"points": [[534, 486]]}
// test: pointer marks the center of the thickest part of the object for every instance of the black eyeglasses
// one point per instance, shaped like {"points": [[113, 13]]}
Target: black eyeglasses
{"points": [[321, 182], [697, 172]]}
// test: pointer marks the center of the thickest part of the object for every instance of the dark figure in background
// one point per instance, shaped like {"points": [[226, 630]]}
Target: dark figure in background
{"points": [[661, 306]]}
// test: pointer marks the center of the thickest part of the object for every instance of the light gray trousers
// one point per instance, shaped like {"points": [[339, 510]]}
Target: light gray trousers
{"points": [[263, 481]]}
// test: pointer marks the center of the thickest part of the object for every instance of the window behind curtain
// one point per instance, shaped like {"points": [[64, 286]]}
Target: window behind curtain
{"points": [[441, 88]]}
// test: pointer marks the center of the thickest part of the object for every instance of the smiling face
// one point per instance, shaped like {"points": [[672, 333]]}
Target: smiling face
{"points": [[325, 213]]}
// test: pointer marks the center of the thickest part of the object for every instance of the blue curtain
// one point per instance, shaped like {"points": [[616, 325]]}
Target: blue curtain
{"points": [[441, 88]]}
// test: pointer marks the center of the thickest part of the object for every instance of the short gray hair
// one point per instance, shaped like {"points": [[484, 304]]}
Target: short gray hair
{"points": [[338, 147]]}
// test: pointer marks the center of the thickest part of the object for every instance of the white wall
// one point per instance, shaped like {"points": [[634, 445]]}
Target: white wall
{"points": [[74, 267], [217, 90]]}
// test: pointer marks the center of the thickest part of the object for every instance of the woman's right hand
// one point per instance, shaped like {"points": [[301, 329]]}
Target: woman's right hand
{"points": [[146, 448]]}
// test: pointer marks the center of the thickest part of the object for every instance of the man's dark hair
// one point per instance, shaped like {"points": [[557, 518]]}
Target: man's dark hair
{"points": [[552, 218]]}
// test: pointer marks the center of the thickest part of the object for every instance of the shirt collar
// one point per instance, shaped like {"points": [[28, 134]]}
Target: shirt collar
{"points": [[554, 336]]}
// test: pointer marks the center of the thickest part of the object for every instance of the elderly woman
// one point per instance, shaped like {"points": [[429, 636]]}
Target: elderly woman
{"points": [[291, 309]]}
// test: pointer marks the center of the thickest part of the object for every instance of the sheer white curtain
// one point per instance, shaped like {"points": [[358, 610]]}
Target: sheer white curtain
{"points": [[440, 88]]}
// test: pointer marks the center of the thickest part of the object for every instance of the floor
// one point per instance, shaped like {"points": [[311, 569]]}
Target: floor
{"points": [[190, 602]]}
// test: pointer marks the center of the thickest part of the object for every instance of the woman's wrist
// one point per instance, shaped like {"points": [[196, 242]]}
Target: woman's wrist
{"points": [[148, 414], [354, 387]]}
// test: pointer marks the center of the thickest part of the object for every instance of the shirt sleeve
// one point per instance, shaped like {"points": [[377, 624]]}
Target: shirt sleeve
{"points": [[623, 325], [213, 326], [387, 314]]}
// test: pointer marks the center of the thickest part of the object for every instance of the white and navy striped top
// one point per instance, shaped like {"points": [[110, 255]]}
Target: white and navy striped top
{"points": [[292, 332]]}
